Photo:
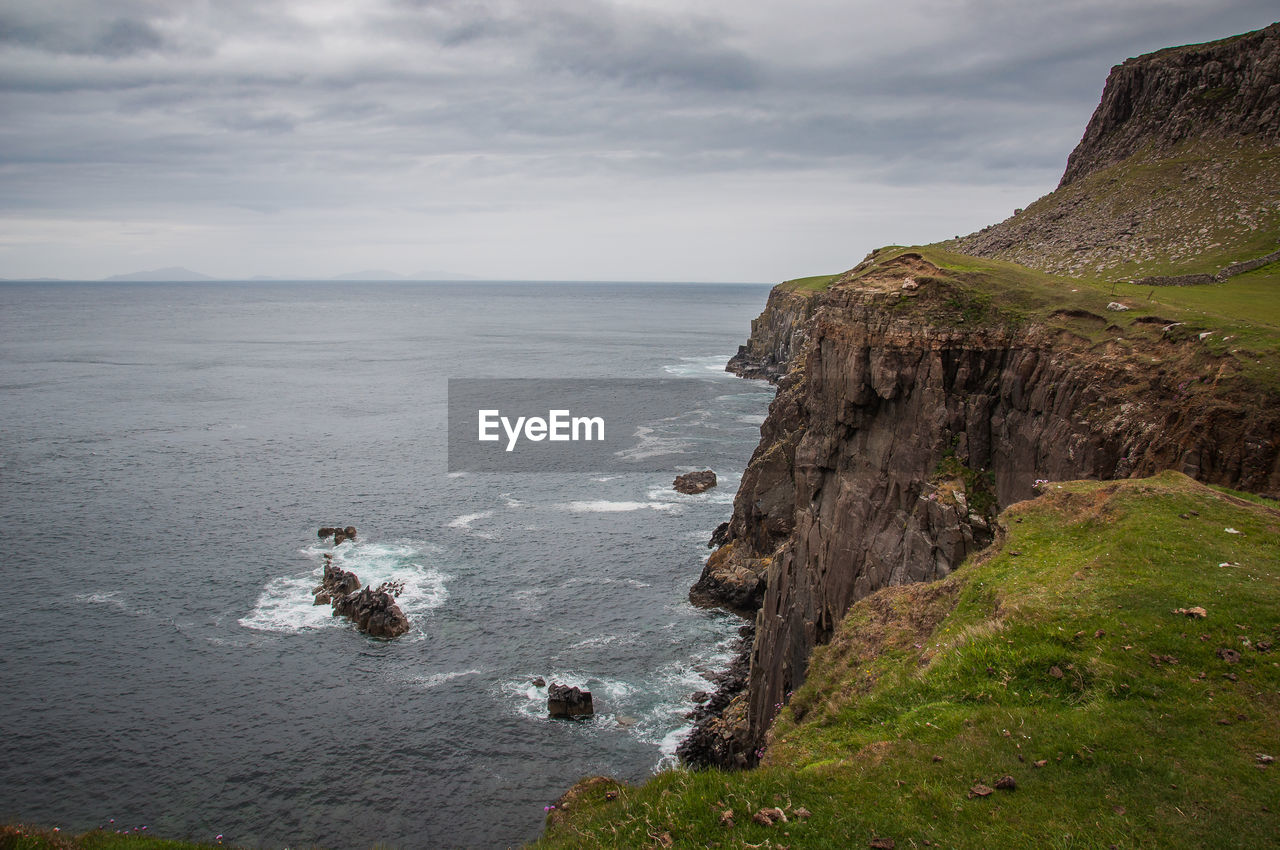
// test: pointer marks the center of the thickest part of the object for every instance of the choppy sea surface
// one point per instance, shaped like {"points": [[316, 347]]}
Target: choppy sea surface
{"points": [[167, 452]]}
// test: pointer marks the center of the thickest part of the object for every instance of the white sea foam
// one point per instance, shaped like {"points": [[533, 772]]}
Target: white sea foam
{"points": [[287, 604], [721, 494], [437, 679], [508, 501], [465, 520], [111, 599], [458, 474], [651, 444], [464, 523], [702, 366], [603, 506], [667, 748]]}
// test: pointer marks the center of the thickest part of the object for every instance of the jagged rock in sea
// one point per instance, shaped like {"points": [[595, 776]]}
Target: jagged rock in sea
{"points": [[338, 533], [720, 734], [336, 583], [566, 701], [692, 483], [374, 612]]}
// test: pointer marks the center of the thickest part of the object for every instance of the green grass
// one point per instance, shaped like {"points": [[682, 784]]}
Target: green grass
{"points": [[23, 837], [817, 283], [1061, 647]]}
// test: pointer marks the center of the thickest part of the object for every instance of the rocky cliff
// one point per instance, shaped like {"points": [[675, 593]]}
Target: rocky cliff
{"points": [[921, 399], [1228, 89], [776, 335], [1178, 171], [925, 389]]}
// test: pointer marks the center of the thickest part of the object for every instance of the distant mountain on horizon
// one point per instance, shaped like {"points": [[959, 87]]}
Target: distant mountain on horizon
{"points": [[171, 273]]}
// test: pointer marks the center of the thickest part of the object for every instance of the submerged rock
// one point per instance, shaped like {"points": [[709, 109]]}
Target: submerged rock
{"points": [[694, 482], [566, 701]]}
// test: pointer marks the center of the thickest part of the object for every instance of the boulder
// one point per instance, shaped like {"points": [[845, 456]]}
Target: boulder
{"points": [[566, 701], [374, 612], [694, 482], [337, 532]]}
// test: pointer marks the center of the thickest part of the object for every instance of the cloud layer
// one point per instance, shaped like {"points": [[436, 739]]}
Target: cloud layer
{"points": [[560, 139]]}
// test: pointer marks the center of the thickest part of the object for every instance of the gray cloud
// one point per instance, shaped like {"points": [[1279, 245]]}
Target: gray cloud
{"points": [[397, 111]]}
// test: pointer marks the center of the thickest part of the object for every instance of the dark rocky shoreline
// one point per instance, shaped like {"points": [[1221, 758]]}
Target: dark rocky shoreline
{"points": [[720, 723]]}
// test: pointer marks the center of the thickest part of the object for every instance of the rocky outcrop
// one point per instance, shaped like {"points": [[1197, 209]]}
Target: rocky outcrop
{"points": [[776, 335], [721, 732], [566, 701], [1219, 90], [374, 611], [896, 436], [339, 534], [1177, 173], [692, 483], [336, 583]]}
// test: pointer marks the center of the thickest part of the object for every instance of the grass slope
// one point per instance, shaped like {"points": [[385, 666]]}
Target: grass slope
{"points": [[1196, 208], [23, 837], [1056, 659]]}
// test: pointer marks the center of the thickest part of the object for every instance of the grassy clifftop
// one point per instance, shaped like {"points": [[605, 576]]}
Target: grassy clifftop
{"points": [[1235, 325], [1059, 660]]}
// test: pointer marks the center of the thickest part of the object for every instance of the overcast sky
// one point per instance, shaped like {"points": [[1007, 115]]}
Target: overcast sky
{"points": [[542, 139]]}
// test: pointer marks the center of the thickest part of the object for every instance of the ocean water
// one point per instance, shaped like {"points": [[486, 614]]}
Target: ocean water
{"points": [[167, 452]]}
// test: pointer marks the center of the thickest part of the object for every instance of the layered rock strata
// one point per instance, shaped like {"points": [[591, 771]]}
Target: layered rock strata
{"points": [[898, 432]]}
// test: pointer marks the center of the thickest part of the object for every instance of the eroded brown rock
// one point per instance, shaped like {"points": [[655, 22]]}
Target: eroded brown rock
{"points": [[567, 701], [692, 483], [374, 612]]}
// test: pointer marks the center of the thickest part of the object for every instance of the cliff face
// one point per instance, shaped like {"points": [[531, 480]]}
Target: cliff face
{"points": [[1178, 171], [776, 335], [912, 406], [900, 429], [1219, 90]]}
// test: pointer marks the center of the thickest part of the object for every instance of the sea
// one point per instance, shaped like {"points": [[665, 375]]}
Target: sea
{"points": [[167, 454]]}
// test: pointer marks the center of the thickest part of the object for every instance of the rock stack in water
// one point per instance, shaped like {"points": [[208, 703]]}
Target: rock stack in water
{"points": [[338, 533], [694, 482], [566, 701], [374, 611]]}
